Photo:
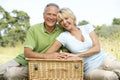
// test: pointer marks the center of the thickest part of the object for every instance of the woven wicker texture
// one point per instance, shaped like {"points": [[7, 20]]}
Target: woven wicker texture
{"points": [[55, 69]]}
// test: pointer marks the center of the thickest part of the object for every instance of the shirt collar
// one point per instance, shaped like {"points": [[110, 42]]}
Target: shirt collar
{"points": [[56, 28]]}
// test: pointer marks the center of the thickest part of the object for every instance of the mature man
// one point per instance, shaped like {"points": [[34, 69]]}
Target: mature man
{"points": [[38, 39]]}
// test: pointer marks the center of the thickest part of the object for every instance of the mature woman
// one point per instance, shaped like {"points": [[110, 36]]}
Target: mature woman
{"points": [[83, 43]]}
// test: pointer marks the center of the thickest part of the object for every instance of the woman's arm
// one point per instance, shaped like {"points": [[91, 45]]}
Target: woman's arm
{"points": [[55, 47], [96, 46]]}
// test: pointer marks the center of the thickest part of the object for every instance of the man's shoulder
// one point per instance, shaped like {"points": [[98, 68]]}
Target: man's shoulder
{"points": [[37, 25]]}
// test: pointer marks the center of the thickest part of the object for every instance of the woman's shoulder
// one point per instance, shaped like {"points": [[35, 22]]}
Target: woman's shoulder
{"points": [[65, 33], [87, 27]]}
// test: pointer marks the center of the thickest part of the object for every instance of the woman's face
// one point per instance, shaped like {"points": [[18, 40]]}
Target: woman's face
{"points": [[67, 22]]}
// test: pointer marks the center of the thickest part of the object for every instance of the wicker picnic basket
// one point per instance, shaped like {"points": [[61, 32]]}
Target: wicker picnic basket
{"points": [[44, 69]]}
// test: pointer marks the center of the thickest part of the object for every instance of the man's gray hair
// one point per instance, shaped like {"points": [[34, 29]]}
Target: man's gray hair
{"points": [[51, 4]]}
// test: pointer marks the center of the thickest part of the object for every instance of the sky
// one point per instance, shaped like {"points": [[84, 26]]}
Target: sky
{"points": [[96, 12]]}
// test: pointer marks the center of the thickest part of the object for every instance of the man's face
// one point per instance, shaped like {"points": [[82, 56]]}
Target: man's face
{"points": [[50, 16]]}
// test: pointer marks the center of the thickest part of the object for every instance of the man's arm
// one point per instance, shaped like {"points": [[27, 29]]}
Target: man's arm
{"points": [[30, 54]]}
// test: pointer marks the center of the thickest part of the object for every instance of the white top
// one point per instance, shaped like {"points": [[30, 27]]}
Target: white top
{"points": [[76, 46]]}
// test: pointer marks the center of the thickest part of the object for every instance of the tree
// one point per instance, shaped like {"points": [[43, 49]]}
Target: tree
{"points": [[3, 27], [19, 24], [116, 21], [13, 26], [83, 22]]}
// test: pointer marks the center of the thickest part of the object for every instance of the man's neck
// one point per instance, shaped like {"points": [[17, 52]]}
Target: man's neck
{"points": [[49, 29]]}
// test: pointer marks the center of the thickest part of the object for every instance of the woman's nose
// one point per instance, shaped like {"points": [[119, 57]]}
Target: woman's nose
{"points": [[64, 21]]}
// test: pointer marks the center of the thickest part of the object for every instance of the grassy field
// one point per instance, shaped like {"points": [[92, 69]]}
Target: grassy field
{"points": [[9, 53], [109, 45]]}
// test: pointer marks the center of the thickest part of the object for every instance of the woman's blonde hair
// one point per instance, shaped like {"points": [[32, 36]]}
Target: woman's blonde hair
{"points": [[67, 12]]}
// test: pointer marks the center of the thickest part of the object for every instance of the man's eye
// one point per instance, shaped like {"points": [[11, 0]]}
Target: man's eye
{"points": [[54, 15]]}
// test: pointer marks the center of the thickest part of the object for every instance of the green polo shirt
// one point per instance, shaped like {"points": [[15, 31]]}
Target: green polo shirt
{"points": [[39, 40]]}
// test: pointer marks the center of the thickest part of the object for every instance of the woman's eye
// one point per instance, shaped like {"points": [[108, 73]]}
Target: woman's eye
{"points": [[66, 18], [60, 21]]}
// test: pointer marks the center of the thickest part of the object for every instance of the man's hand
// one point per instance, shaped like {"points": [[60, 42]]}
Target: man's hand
{"points": [[54, 55]]}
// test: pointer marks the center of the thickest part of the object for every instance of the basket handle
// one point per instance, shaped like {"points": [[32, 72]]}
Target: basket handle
{"points": [[35, 66], [76, 66]]}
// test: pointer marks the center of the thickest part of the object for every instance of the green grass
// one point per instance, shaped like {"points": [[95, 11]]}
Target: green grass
{"points": [[109, 45], [9, 53]]}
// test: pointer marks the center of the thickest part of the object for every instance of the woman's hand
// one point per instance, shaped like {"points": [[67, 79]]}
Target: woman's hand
{"points": [[54, 55], [70, 56]]}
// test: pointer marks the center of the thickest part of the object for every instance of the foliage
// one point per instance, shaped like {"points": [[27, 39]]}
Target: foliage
{"points": [[107, 31], [116, 21], [83, 22], [13, 27]]}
